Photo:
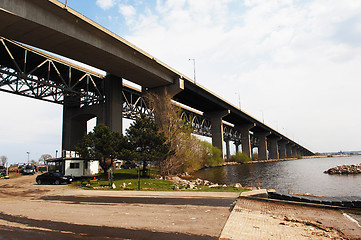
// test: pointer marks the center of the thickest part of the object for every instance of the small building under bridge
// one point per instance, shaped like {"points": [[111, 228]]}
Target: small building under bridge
{"points": [[70, 164]]}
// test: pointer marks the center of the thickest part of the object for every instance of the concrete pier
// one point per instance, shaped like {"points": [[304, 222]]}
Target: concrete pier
{"points": [[228, 152], [245, 138], [113, 103], [236, 145], [262, 145], [273, 147], [289, 147], [217, 128], [282, 148]]}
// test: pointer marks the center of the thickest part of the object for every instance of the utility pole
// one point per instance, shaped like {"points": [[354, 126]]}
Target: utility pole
{"points": [[194, 68]]}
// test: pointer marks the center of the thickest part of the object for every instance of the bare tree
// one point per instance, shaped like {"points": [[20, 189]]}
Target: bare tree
{"points": [[33, 162], [187, 154], [44, 157], [4, 160]]}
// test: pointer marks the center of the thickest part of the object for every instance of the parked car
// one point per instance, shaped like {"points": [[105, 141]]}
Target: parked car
{"points": [[53, 178], [2, 170], [20, 168], [28, 169], [128, 165]]}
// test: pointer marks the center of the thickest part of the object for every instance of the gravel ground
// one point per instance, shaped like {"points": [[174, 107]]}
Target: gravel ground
{"points": [[30, 211]]}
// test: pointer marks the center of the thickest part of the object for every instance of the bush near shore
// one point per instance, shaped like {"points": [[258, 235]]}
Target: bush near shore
{"points": [[239, 157]]}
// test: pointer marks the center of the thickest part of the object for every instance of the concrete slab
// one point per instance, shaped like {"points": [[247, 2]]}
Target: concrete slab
{"points": [[255, 219]]}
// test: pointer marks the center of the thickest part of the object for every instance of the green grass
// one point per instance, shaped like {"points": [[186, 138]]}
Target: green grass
{"points": [[130, 178], [152, 183]]}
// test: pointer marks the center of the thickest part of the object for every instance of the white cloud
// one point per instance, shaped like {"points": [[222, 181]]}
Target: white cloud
{"points": [[127, 10], [286, 58], [105, 4]]}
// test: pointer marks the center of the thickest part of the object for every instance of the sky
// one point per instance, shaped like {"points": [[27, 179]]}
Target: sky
{"points": [[295, 65]]}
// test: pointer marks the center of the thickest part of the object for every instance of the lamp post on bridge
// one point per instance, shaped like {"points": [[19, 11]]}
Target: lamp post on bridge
{"points": [[239, 99], [194, 68]]}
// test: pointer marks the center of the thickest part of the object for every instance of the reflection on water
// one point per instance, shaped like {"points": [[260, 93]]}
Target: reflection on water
{"points": [[298, 176]]}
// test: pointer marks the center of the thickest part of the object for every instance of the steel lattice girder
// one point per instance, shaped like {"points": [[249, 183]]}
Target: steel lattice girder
{"points": [[135, 104], [29, 72]]}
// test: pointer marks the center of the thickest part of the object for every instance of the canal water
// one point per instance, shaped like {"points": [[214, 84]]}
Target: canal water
{"points": [[296, 176]]}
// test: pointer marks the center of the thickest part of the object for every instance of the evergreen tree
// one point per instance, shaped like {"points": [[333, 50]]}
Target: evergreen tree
{"points": [[102, 144], [145, 142]]}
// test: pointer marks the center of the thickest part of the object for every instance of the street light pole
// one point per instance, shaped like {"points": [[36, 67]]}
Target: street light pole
{"points": [[194, 68], [239, 99], [28, 156]]}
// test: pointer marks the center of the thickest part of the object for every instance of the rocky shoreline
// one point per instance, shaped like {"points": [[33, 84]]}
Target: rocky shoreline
{"points": [[181, 183], [344, 169]]}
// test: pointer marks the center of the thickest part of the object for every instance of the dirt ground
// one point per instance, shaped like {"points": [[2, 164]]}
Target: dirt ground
{"points": [[31, 211]]}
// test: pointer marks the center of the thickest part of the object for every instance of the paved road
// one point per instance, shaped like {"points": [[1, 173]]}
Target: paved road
{"points": [[30, 211]]}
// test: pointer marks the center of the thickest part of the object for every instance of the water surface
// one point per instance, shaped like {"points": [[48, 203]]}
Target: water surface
{"points": [[297, 176]]}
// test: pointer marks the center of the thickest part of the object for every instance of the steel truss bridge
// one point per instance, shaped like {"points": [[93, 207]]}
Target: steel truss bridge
{"points": [[29, 72]]}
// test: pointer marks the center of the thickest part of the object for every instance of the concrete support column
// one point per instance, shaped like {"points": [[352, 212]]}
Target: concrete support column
{"points": [[217, 127], [236, 144], [228, 152], [113, 114], [289, 149], [282, 149], [262, 145], [273, 147], [75, 117], [74, 127], [295, 151], [75, 121], [245, 138]]}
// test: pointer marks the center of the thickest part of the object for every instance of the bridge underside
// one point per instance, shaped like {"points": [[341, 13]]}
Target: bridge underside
{"points": [[85, 95], [49, 25]]}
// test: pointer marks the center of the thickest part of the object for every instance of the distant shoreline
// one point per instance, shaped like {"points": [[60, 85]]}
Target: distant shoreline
{"points": [[285, 159]]}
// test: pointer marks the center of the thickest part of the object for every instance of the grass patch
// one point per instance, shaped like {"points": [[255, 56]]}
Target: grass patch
{"points": [[127, 179]]}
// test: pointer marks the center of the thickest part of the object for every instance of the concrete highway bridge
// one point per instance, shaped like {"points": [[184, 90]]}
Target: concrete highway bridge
{"points": [[56, 28]]}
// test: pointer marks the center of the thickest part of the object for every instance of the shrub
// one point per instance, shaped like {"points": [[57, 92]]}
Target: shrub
{"points": [[240, 157], [213, 155]]}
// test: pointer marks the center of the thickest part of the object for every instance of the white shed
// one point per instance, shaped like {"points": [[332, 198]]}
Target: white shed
{"points": [[78, 167], [74, 166]]}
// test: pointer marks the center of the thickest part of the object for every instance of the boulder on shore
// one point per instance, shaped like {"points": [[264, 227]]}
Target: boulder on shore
{"points": [[344, 169]]}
